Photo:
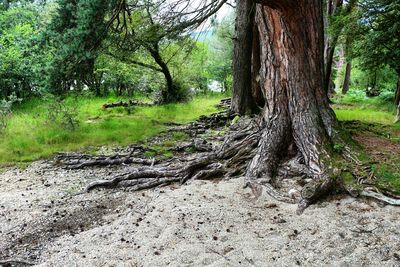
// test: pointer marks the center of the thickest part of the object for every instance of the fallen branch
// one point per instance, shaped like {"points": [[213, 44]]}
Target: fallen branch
{"points": [[13, 262], [75, 161], [109, 162], [126, 104], [225, 103]]}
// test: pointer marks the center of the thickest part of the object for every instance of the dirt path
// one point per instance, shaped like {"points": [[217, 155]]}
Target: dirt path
{"points": [[200, 224]]}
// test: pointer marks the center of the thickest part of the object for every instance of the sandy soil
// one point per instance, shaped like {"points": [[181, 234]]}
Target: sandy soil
{"points": [[199, 224]]}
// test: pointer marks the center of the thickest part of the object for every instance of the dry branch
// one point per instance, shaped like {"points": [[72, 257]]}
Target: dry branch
{"points": [[125, 104], [380, 197], [15, 262]]}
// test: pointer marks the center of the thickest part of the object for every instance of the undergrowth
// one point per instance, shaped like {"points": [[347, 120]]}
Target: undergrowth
{"points": [[355, 105], [29, 136]]}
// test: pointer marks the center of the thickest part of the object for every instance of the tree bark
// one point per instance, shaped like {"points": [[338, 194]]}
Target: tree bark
{"points": [[242, 100], [292, 80], [346, 82], [256, 91]]}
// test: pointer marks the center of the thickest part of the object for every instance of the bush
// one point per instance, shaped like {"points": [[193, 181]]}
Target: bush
{"points": [[6, 111], [63, 114]]}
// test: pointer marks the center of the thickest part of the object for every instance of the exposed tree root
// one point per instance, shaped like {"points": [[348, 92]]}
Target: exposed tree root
{"points": [[147, 177], [239, 154], [225, 104], [229, 159], [80, 161], [380, 197]]}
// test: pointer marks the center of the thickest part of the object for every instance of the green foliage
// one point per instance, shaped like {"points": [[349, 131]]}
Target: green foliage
{"points": [[384, 78], [338, 148], [76, 31], [380, 43], [21, 57], [221, 52]]}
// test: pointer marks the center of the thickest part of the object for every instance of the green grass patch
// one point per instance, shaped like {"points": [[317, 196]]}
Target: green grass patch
{"points": [[388, 176], [364, 115], [31, 136]]}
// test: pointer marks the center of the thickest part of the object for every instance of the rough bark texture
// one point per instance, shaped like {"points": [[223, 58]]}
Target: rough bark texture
{"points": [[346, 82], [256, 90], [242, 100], [296, 110]]}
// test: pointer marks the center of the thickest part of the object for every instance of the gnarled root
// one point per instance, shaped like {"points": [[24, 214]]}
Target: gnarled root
{"points": [[252, 149], [148, 177]]}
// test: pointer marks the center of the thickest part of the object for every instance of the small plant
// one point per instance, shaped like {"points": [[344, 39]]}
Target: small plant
{"points": [[235, 120], [338, 148], [6, 110], [64, 114]]}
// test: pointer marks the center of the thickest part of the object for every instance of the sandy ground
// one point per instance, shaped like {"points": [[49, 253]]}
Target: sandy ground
{"points": [[199, 224]]}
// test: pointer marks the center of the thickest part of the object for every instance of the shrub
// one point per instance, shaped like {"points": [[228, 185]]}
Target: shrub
{"points": [[6, 110], [63, 114]]}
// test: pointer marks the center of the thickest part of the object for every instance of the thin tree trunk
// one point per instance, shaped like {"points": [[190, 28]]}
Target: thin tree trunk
{"points": [[329, 62], [346, 82], [242, 101], [397, 98], [397, 101], [330, 43], [169, 94]]}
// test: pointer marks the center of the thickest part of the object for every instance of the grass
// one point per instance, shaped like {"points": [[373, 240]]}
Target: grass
{"points": [[375, 115], [30, 136], [365, 115], [357, 106]]}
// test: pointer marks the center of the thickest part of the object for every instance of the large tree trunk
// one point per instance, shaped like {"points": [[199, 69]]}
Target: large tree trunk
{"points": [[242, 100], [346, 82], [297, 110]]}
